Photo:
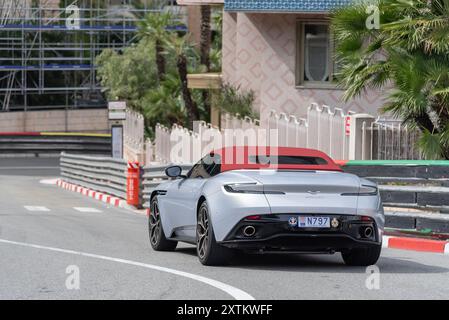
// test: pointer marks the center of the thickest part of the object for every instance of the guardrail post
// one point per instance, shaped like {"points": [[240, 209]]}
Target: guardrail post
{"points": [[133, 184]]}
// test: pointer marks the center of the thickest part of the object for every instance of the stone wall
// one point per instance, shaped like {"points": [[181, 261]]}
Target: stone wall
{"points": [[90, 120]]}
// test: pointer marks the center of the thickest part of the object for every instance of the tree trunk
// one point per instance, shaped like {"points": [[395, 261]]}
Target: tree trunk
{"points": [[445, 153], [424, 123], [192, 108], [160, 60], [205, 44], [206, 36], [206, 39], [441, 109]]}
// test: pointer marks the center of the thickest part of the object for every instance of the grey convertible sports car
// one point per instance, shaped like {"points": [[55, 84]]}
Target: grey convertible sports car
{"points": [[291, 200]]}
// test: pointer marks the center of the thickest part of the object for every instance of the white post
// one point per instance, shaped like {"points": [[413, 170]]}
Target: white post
{"points": [[356, 135]]}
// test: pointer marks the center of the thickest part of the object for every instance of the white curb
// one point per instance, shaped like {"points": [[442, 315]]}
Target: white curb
{"points": [[385, 240]]}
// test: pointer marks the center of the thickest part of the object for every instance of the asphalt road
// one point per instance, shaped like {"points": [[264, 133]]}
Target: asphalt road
{"points": [[29, 166], [46, 232]]}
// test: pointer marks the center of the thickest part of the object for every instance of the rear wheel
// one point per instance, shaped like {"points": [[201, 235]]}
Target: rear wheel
{"points": [[362, 256], [209, 252], [158, 240]]}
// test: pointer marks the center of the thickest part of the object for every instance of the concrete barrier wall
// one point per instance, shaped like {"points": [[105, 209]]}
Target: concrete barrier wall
{"points": [[421, 184], [420, 169], [89, 120], [53, 143]]}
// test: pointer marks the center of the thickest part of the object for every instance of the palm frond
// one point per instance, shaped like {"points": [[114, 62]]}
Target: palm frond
{"points": [[430, 145]]}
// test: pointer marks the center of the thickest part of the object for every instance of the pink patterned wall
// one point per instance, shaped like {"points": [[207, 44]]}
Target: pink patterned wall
{"points": [[259, 52]]}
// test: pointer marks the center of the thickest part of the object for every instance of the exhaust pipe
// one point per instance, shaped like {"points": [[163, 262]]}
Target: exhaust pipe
{"points": [[366, 232], [249, 231]]}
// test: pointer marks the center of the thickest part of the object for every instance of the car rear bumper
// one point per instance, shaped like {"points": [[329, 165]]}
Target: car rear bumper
{"points": [[274, 234], [313, 243]]}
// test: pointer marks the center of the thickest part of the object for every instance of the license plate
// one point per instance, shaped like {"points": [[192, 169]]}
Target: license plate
{"points": [[313, 222]]}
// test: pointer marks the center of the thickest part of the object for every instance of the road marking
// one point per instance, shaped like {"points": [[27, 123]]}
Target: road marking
{"points": [[49, 181], [232, 291], [36, 208], [86, 209]]}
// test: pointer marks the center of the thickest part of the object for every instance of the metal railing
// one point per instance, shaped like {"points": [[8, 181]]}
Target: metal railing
{"points": [[102, 174], [154, 176], [390, 140]]}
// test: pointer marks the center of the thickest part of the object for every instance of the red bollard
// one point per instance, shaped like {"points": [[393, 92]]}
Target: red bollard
{"points": [[132, 183]]}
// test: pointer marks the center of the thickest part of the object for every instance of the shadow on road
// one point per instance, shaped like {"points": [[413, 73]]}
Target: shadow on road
{"points": [[320, 263]]}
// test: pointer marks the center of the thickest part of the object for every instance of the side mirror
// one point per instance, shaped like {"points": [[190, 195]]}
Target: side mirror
{"points": [[173, 171]]}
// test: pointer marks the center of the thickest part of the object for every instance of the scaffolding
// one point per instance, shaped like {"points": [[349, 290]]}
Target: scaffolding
{"points": [[48, 48]]}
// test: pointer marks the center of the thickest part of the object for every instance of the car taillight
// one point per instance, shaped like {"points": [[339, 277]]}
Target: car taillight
{"points": [[251, 188], [255, 217], [366, 218], [367, 190], [364, 190], [244, 188]]}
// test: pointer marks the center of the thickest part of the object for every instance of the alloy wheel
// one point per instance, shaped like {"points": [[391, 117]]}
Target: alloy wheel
{"points": [[155, 224], [202, 232]]}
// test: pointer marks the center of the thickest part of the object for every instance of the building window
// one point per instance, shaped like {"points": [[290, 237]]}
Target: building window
{"points": [[314, 54]]}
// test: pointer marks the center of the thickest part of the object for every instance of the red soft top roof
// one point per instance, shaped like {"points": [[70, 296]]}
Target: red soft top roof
{"points": [[235, 158]]}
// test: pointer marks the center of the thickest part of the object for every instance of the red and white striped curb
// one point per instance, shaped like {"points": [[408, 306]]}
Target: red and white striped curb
{"points": [[117, 202], [416, 244]]}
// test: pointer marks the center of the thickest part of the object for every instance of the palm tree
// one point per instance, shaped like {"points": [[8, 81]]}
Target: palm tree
{"points": [[206, 36], [216, 45], [155, 26], [205, 44], [163, 104], [408, 55], [181, 49]]}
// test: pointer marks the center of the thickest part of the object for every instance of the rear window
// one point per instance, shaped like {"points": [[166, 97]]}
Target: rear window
{"points": [[288, 160]]}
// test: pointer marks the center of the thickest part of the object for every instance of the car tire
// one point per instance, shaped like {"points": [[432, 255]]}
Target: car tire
{"points": [[158, 241], [209, 252], [362, 256]]}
